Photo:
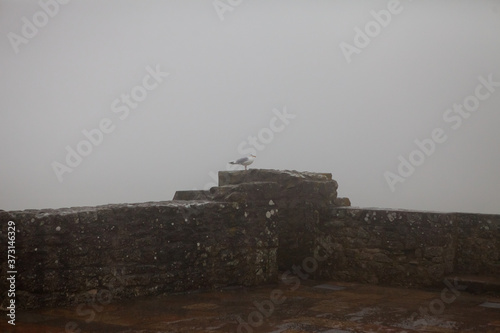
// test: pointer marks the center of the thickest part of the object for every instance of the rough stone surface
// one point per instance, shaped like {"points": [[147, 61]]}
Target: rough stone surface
{"points": [[387, 247], [256, 223], [192, 195], [65, 255], [478, 251], [298, 196], [286, 178], [342, 202], [293, 187], [407, 248]]}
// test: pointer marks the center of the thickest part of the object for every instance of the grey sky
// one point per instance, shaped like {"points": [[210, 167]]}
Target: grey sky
{"points": [[227, 80]]}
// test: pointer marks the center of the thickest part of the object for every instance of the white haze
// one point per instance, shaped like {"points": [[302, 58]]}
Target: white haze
{"points": [[226, 78]]}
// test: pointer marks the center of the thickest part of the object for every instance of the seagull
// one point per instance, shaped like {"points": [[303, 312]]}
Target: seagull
{"points": [[245, 161]]}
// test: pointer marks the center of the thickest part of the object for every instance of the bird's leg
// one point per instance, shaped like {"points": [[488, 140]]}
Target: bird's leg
{"points": [[245, 167]]}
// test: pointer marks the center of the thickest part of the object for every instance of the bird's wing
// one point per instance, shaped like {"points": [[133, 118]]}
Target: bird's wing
{"points": [[241, 160]]}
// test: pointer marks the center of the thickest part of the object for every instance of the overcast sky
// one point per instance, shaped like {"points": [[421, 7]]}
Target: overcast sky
{"points": [[168, 92]]}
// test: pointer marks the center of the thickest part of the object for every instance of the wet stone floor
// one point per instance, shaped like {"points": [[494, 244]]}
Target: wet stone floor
{"points": [[293, 306]]}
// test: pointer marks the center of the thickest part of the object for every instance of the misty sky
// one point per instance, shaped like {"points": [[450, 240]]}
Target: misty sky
{"points": [[170, 91]]}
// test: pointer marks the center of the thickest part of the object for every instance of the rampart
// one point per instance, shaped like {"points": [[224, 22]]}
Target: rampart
{"points": [[241, 233]]}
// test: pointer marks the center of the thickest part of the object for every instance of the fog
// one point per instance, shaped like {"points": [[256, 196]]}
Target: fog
{"points": [[399, 100]]}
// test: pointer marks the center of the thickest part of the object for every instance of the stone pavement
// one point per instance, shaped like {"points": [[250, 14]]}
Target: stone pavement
{"points": [[292, 306]]}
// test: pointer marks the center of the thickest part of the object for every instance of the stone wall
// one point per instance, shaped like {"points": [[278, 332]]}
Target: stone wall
{"points": [[478, 244], [403, 248], [256, 223], [299, 196], [65, 255], [388, 247]]}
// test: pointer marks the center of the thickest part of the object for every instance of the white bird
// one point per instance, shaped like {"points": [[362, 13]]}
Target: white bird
{"points": [[245, 161]]}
